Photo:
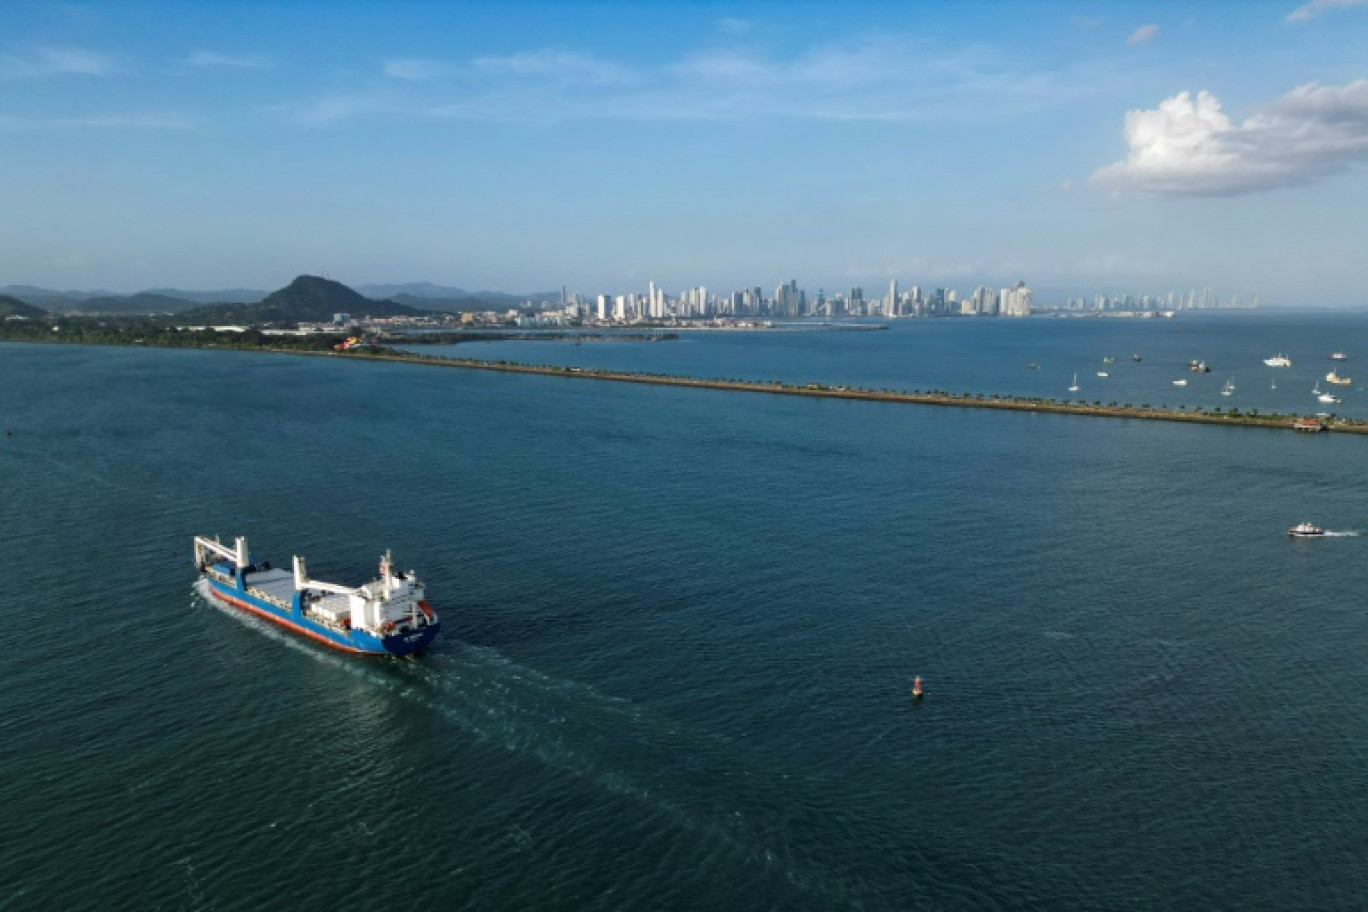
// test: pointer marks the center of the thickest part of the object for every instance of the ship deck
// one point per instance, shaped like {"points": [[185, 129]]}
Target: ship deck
{"points": [[278, 585]]}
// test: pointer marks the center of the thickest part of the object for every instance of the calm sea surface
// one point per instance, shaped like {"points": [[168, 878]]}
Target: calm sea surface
{"points": [[994, 356], [680, 626]]}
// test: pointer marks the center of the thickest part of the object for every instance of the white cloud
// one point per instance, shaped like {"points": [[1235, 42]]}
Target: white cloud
{"points": [[1189, 147], [733, 26], [213, 59], [344, 107], [1313, 9], [417, 69], [56, 61], [878, 78], [1143, 35], [560, 66], [136, 121], [149, 120]]}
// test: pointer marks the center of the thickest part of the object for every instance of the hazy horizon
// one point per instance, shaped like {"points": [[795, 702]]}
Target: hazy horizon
{"points": [[1081, 147]]}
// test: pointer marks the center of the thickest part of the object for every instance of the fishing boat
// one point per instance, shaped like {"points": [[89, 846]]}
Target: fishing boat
{"points": [[1278, 361], [1323, 397], [1198, 367], [1305, 530], [1135, 357], [387, 616]]}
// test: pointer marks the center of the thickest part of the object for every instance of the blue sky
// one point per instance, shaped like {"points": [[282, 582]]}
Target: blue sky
{"points": [[1082, 147]]}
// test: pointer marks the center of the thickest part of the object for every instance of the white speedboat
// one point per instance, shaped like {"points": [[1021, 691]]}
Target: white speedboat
{"points": [[1103, 374], [1339, 356], [1305, 530], [1278, 361]]}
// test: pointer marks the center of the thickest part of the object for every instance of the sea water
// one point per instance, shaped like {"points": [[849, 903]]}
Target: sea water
{"points": [[679, 632], [1037, 358]]}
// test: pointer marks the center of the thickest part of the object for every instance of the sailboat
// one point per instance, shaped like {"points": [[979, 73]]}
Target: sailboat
{"points": [[1274, 385], [1228, 389], [1074, 388]]}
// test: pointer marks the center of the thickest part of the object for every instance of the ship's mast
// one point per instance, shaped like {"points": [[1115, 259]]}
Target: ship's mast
{"points": [[303, 582]]}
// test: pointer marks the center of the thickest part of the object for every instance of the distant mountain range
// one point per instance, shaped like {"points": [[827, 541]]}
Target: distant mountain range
{"points": [[420, 296], [155, 300], [452, 300], [308, 299], [13, 307]]}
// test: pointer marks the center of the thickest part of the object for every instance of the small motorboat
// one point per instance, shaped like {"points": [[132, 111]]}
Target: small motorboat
{"points": [[1180, 383], [1305, 530], [1103, 374]]}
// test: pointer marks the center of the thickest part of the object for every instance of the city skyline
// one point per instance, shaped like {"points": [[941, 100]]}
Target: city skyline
{"points": [[1078, 145]]}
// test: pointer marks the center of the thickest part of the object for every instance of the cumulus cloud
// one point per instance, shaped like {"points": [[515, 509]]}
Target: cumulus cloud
{"points": [[1143, 35], [213, 59], [56, 61], [1188, 146], [1313, 9]]}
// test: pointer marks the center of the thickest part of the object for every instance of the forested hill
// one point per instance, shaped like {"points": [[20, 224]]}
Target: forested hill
{"points": [[308, 299], [13, 307]]}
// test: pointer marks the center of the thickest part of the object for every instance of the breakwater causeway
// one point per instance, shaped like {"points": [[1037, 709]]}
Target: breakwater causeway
{"points": [[1233, 417]]}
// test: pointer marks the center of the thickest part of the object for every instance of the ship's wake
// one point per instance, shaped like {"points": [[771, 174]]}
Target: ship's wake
{"points": [[617, 746], [1346, 534]]}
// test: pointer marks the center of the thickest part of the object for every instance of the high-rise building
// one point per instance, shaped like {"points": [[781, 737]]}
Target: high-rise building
{"points": [[1017, 299]]}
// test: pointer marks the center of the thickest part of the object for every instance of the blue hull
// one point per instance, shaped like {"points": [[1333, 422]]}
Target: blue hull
{"points": [[353, 641]]}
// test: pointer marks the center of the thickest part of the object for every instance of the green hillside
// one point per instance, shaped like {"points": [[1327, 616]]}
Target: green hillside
{"points": [[13, 307], [308, 299]]}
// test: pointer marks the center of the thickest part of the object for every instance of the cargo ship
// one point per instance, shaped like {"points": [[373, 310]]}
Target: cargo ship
{"points": [[387, 616]]}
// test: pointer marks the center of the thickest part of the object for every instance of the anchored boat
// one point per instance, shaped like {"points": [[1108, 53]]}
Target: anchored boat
{"points": [[387, 616]]}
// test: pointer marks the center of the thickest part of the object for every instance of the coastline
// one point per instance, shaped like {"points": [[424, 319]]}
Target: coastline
{"points": [[815, 390]]}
